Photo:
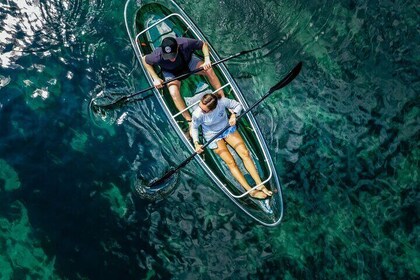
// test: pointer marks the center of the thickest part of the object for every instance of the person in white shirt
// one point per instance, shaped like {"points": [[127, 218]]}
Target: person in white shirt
{"points": [[212, 117]]}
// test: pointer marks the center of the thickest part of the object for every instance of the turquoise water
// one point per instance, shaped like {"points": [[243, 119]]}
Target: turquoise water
{"points": [[344, 138]]}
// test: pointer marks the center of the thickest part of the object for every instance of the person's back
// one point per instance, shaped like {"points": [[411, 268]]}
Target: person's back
{"points": [[177, 64]]}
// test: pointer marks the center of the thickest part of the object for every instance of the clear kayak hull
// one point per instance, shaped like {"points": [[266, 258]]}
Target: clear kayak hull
{"points": [[147, 23]]}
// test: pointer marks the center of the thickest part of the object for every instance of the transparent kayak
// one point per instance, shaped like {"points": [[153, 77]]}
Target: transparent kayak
{"points": [[147, 23]]}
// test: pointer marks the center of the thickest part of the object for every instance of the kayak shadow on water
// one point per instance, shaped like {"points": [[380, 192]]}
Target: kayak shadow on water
{"points": [[140, 187]]}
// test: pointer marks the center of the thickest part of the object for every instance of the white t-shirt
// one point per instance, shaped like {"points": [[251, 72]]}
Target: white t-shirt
{"points": [[214, 121]]}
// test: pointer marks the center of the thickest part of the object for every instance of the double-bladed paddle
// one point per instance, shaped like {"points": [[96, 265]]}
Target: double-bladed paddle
{"points": [[124, 99], [284, 82]]}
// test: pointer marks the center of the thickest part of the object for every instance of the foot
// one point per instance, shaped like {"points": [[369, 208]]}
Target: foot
{"points": [[265, 190], [258, 194]]}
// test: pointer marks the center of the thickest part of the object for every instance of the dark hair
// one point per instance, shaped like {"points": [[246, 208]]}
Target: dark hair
{"points": [[210, 100]]}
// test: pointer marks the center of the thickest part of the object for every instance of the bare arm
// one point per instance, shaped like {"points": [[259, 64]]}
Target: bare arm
{"points": [[234, 107], [194, 135], [157, 81], [207, 63]]}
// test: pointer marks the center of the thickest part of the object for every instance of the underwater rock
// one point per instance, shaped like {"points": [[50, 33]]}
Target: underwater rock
{"points": [[20, 252], [9, 176], [116, 199], [79, 140]]}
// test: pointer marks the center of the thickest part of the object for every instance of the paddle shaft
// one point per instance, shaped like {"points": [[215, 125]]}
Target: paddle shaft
{"points": [[127, 98], [284, 82], [186, 75]]}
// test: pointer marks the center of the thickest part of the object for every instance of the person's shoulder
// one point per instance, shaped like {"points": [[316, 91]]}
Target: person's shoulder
{"points": [[227, 102], [158, 50], [197, 113], [181, 40], [187, 41], [224, 100], [154, 56]]}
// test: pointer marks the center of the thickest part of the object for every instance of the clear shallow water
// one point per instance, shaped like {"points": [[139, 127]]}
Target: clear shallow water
{"points": [[344, 137]]}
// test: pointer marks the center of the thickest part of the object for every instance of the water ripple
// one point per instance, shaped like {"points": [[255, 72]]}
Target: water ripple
{"points": [[343, 137]]}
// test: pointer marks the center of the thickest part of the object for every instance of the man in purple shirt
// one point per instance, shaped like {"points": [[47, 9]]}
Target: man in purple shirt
{"points": [[176, 56]]}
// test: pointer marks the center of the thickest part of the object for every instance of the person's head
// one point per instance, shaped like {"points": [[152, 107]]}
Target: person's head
{"points": [[208, 102], [169, 48]]}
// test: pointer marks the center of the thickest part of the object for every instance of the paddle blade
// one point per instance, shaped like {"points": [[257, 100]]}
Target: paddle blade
{"points": [[159, 191], [112, 105], [161, 180], [171, 172], [286, 80]]}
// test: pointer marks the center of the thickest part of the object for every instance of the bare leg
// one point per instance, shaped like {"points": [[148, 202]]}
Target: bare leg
{"points": [[177, 98], [235, 140], [211, 76], [224, 153]]}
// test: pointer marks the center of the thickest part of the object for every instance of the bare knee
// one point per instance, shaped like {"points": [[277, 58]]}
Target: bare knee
{"points": [[227, 157], [245, 154], [174, 90], [242, 151], [231, 164], [175, 95], [210, 73]]}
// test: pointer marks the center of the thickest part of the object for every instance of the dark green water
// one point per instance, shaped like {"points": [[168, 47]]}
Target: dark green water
{"points": [[344, 137]]}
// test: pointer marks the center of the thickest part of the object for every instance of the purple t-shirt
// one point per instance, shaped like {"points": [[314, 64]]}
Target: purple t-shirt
{"points": [[186, 48]]}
